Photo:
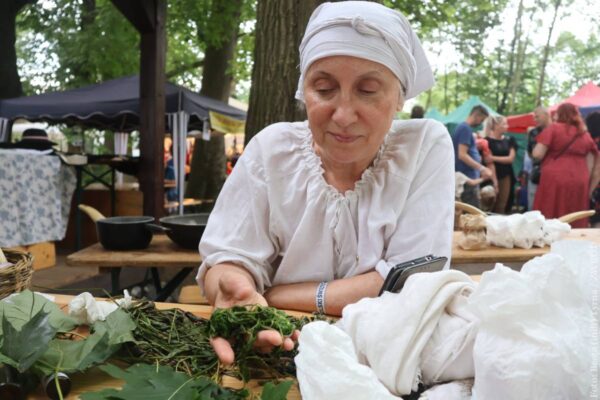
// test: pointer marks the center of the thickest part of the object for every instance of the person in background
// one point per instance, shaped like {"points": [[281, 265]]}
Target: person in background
{"points": [[503, 149], [417, 112], [488, 190], [566, 183], [593, 125], [316, 213], [542, 120], [467, 158], [521, 191]]}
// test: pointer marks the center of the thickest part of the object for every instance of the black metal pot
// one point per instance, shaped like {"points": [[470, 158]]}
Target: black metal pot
{"points": [[185, 230], [124, 233]]}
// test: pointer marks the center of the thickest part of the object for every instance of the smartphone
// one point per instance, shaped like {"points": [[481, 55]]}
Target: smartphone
{"points": [[399, 274]]}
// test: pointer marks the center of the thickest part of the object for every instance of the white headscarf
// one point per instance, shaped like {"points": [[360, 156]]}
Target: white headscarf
{"points": [[370, 31]]}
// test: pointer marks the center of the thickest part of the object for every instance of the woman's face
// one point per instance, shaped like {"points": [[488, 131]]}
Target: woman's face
{"points": [[350, 103], [501, 126]]}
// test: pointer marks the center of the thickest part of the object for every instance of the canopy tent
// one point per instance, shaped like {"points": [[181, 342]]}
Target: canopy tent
{"points": [[587, 98], [115, 105], [434, 113], [461, 113]]}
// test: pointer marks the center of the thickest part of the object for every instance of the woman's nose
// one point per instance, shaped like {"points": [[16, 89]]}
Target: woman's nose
{"points": [[344, 113]]}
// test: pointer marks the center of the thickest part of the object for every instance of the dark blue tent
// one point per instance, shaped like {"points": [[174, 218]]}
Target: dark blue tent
{"points": [[112, 105]]}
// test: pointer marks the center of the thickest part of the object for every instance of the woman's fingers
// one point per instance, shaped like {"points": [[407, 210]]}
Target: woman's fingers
{"points": [[267, 340], [223, 350]]}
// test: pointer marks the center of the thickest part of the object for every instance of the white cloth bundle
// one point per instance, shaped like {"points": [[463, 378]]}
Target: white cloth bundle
{"points": [[524, 230], [370, 31], [327, 367], [86, 310], [423, 331], [537, 326]]}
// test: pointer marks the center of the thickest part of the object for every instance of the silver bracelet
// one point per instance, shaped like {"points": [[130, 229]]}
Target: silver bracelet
{"points": [[320, 297]]}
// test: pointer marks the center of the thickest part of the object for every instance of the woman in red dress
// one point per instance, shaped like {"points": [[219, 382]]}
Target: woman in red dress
{"points": [[565, 183]]}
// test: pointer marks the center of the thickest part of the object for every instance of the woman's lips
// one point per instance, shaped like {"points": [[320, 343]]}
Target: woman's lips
{"points": [[343, 138]]}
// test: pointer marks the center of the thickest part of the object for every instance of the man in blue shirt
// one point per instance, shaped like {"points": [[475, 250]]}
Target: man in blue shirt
{"points": [[467, 157]]}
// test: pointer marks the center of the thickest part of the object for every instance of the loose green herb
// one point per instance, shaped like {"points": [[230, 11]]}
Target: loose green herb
{"points": [[182, 340]]}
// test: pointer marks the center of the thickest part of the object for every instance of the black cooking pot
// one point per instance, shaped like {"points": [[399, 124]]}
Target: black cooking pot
{"points": [[185, 230], [124, 233]]}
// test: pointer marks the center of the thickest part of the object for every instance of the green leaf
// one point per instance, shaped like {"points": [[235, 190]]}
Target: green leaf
{"points": [[26, 345], [149, 382], [78, 355], [273, 391], [22, 307]]}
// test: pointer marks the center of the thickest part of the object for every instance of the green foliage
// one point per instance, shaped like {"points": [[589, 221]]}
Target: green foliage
{"points": [[145, 382], [29, 326], [20, 308], [87, 44], [77, 355], [273, 391], [21, 348]]}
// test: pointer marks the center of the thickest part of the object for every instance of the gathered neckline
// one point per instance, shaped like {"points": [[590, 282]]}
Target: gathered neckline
{"points": [[315, 165]]}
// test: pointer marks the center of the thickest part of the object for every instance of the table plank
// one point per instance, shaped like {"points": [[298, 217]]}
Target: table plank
{"points": [[162, 252], [494, 254], [95, 380]]}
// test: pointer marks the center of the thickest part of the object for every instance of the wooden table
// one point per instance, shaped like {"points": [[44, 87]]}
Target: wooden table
{"points": [[95, 379], [162, 253], [494, 254]]}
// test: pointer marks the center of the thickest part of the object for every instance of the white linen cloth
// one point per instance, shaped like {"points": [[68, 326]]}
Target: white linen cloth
{"points": [[87, 310], [422, 334], [327, 367], [277, 216], [366, 30], [524, 230]]}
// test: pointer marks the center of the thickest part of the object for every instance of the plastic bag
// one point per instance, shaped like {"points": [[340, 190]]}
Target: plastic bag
{"points": [[534, 337]]}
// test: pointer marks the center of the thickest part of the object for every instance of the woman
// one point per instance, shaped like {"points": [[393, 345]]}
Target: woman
{"points": [[566, 180], [503, 149], [316, 213], [593, 126]]}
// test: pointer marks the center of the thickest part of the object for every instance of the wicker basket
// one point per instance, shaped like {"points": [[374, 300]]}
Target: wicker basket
{"points": [[17, 277]]}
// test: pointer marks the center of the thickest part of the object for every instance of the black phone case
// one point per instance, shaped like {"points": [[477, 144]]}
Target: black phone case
{"points": [[399, 274]]}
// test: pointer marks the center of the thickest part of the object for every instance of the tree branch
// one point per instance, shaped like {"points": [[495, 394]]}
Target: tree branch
{"points": [[184, 68]]}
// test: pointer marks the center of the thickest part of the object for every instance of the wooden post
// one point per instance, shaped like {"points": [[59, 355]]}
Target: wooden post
{"points": [[149, 17], [152, 113]]}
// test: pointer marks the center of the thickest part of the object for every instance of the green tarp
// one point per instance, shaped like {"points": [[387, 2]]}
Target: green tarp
{"points": [[434, 113]]}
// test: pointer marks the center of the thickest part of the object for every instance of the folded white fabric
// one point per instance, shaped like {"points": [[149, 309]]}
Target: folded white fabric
{"points": [[86, 310], [327, 367], [524, 230], [535, 330], [395, 334]]}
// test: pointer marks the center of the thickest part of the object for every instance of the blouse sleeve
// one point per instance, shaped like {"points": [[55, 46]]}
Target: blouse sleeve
{"points": [[513, 143], [545, 137], [425, 224], [238, 228]]}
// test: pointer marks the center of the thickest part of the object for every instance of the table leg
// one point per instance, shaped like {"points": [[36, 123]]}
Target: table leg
{"points": [[114, 281], [172, 284], [156, 279]]}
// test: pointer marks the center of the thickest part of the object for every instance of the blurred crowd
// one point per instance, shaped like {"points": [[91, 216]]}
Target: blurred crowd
{"points": [[561, 166]]}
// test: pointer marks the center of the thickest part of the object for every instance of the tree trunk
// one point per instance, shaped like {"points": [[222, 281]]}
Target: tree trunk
{"points": [[512, 56], [280, 25], [207, 172], [10, 81], [538, 96]]}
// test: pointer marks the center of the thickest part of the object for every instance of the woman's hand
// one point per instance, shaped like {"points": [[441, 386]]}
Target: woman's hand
{"points": [[235, 286]]}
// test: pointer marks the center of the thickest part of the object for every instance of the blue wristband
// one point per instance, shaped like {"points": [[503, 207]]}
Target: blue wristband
{"points": [[320, 297]]}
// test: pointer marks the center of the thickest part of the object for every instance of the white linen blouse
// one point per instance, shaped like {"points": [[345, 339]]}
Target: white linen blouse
{"points": [[277, 216]]}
